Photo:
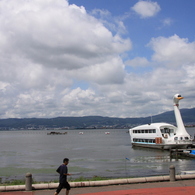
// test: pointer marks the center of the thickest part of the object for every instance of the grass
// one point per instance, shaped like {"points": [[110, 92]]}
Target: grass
{"points": [[94, 178], [7, 171], [80, 179], [12, 182]]}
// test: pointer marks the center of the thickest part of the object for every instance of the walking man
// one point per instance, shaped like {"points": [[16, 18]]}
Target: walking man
{"points": [[63, 171]]}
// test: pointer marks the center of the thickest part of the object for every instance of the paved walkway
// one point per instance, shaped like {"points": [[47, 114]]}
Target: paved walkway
{"points": [[182, 187]]}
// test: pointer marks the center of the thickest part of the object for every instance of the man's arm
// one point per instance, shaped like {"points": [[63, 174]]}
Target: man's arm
{"points": [[67, 174], [58, 170]]}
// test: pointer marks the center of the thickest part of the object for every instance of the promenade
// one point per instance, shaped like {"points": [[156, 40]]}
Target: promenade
{"points": [[179, 187]]}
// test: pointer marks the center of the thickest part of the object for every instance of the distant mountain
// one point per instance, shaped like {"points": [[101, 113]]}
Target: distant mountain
{"points": [[188, 116]]}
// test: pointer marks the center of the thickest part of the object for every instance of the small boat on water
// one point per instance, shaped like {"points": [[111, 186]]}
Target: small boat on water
{"points": [[162, 135], [188, 153]]}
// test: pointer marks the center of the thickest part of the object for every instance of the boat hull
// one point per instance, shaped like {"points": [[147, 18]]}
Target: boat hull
{"points": [[162, 146]]}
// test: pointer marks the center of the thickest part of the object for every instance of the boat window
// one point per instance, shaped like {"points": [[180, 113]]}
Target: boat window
{"points": [[186, 138], [144, 140], [176, 138], [145, 131], [167, 130]]}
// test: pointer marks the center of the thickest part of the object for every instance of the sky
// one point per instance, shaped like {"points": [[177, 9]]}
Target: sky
{"points": [[95, 58]]}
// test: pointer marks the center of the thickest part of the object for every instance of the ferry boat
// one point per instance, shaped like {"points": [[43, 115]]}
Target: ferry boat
{"points": [[162, 135]]}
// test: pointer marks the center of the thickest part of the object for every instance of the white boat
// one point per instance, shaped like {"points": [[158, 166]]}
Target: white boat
{"points": [[162, 135]]}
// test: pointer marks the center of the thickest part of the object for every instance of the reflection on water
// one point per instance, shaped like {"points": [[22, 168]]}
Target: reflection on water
{"points": [[92, 153]]}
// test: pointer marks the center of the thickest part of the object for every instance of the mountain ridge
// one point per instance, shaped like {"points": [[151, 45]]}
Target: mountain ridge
{"points": [[83, 122]]}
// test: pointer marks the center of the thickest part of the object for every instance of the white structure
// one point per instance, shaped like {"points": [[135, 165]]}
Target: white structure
{"points": [[162, 135]]}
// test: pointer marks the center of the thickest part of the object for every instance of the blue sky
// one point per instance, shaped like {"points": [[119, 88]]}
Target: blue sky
{"points": [[109, 58], [173, 17]]}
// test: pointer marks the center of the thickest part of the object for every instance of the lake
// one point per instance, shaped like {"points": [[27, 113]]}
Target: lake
{"points": [[92, 153]]}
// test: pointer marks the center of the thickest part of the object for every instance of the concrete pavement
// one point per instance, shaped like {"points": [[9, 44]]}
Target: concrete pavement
{"points": [[180, 187]]}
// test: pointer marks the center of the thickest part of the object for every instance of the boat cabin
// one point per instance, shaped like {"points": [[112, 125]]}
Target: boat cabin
{"points": [[156, 134]]}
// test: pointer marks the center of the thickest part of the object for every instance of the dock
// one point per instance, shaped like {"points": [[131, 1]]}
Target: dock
{"points": [[189, 152]]}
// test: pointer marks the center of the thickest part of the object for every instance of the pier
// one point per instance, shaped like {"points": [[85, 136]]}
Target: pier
{"points": [[182, 153]]}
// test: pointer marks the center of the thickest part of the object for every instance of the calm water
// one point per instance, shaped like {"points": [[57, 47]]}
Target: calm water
{"points": [[92, 154]]}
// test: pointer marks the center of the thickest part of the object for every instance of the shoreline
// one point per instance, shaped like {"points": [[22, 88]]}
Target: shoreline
{"points": [[43, 186]]}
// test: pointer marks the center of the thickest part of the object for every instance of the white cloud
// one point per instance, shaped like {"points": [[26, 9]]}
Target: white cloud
{"points": [[167, 22], [152, 93], [173, 51], [189, 79], [66, 34], [46, 45], [137, 62], [114, 23], [146, 9], [108, 72]]}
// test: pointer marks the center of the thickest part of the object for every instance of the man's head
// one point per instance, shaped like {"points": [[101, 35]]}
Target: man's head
{"points": [[66, 161]]}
